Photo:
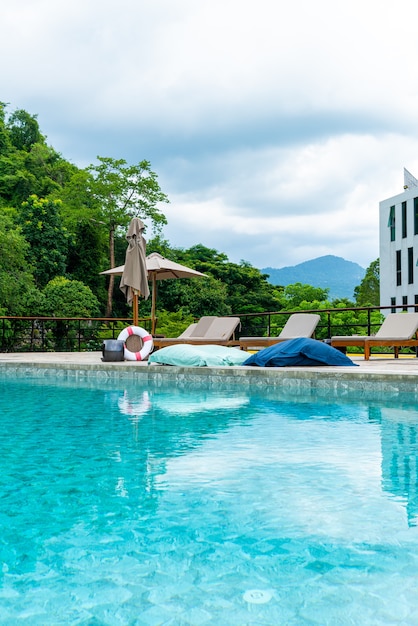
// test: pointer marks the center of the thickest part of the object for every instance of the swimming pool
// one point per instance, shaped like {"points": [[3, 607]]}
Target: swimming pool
{"points": [[126, 503]]}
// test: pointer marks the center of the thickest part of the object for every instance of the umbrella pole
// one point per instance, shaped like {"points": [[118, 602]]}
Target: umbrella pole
{"points": [[135, 309], [154, 297]]}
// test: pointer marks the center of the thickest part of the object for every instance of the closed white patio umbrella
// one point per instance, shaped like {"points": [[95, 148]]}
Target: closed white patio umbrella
{"points": [[135, 274]]}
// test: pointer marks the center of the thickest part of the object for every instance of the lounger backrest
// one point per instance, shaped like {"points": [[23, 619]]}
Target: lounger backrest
{"points": [[188, 331], [222, 328], [202, 326], [300, 325], [398, 326]]}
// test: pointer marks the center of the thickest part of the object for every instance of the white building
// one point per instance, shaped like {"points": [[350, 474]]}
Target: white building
{"points": [[398, 218]]}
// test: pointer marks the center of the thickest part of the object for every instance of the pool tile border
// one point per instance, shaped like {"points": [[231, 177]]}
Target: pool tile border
{"points": [[333, 381]]}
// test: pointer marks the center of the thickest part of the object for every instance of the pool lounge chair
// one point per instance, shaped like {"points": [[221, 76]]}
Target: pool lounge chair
{"points": [[298, 325], [197, 328], [208, 330], [189, 330], [399, 330]]}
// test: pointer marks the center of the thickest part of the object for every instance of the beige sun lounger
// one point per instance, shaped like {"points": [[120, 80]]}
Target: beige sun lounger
{"points": [[298, 325], [399, 330], [196, 329], [188, 331], [208, 330], [199, 328]]}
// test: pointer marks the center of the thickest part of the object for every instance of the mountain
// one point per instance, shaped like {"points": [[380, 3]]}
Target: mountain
{"points": [[332, 272]]}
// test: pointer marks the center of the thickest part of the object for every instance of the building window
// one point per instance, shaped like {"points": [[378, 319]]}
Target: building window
{"points": [[410, 266], [391, 222], [404, 222], [398, 268], [415, 216], [393, 303], [405, 303]]}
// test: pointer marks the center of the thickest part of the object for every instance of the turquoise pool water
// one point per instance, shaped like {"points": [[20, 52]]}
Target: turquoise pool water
{"points": [[147, 506]]}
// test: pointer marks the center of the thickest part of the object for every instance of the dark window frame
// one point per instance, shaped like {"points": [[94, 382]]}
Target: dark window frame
{"points": [[404, 220], [415, 216], [398, 268], [410, 266], [392, 223]]}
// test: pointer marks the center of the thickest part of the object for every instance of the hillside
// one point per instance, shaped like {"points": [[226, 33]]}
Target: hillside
{"points": [[332, 272]]}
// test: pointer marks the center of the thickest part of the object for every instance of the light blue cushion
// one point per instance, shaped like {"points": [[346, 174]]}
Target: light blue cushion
{"points": [[198, 356]]}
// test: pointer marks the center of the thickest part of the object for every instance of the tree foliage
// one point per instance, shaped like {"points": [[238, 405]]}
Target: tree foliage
{"points": [[48, 241], [299, 296], [17, 284], [368, 292], [123, 191], [4, 134], [69, 298], [86, 256], [24, 130]]}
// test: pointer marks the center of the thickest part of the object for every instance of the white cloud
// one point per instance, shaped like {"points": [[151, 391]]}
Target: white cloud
{"points": [[275, 128], [311, 200]]}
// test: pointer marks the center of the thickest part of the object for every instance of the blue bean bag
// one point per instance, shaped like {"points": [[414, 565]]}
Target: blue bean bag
{"points": [[299, 351]]}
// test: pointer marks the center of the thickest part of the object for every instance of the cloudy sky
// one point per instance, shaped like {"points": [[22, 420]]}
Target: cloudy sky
{"points": [[275, 127]]}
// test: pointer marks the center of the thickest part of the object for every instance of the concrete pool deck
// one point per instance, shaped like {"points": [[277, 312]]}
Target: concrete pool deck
{"points": [[383, 374], [378, 364]]}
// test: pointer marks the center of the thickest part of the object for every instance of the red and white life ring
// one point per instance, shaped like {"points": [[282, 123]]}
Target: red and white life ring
{"points": [[146, 339]]}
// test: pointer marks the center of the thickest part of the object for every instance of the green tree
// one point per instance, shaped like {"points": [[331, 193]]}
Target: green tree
{"points": [[368, 292], [354, 322], [48, 240], [86, 256], [88, 237], [299, 296], [78, 202], [196, 296], [69, 298], [123, 191], [27, 164], [49, 171], [16, 183], [173, 324], [24, 130], [17, 285], [4, 134]]}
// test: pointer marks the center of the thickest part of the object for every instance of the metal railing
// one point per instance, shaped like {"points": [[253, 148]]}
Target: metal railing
{"points": [[270, 323], [66, 334], [60, 334]]}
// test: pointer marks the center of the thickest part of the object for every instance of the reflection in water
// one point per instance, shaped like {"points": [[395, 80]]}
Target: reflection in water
{"points": [[399, 433], [134, 403], [170, 422], [135, 406]]}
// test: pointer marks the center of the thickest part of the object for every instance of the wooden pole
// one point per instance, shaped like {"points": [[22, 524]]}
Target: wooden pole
{"points": [[135, 308], [154, 297]]}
